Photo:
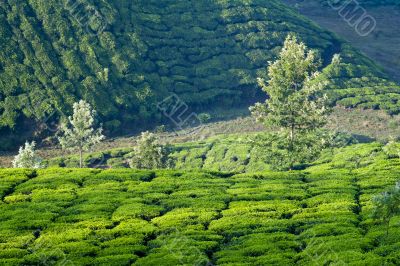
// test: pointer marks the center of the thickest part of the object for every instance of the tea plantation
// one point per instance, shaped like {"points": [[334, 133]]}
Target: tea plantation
{"points": [[207, 52], [320, 216], [225, 152]]}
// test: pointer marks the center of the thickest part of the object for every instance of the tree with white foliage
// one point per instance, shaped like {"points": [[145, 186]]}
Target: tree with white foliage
{"points": [[79, 132], [27, 157], [150, 154]]}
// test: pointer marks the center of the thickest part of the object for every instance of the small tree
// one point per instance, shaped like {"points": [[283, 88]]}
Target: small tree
{"points": [[79, 132], [354, 162], [150, 154], [387, 205], [27, 157], [204, 117], [392, 149], [296, 103]]}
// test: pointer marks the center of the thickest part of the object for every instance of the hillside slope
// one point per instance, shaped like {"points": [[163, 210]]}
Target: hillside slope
{"points": [[381, 45], [366, 3], [132, 54], [124, 217]]}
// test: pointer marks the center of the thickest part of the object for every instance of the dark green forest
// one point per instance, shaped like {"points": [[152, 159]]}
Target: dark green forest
{"points": [[132, 54]]}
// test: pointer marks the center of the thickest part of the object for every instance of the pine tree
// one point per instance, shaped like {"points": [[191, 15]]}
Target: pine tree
{"points": [[27, 157], [296, 104], [79, 132]]}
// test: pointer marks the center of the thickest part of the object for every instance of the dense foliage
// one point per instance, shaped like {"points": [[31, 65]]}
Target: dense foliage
{"points": [[296, 104], [387, 206], [149, 153], [27, 157], [207, 52], [123, 217]]}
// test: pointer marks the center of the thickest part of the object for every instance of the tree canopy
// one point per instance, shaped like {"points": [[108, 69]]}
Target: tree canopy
{"points": [[79, 132], [296, 103]]}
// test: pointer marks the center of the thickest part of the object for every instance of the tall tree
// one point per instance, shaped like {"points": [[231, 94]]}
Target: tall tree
{"points": [[296, 104], [79, 133]]}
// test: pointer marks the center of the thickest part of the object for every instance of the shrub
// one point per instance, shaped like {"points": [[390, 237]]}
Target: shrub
{"points": [[392, 149], [149, 154], [136, 210], [119, 259], [387, 205], [204, 117]]}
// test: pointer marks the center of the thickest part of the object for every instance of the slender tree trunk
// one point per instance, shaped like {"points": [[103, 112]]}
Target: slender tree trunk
{"points": [[291, 147], [387, 227], [80, 157], [291, 136]]}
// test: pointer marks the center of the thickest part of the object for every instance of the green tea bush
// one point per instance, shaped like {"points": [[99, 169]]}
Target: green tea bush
{"points": [[9, 179], [136, 210], [182, 217], [169, 217], [124, 259], [260, 248], [392, 150]]}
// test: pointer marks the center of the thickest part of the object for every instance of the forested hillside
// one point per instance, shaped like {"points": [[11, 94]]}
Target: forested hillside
{"points": [[132, 54]]}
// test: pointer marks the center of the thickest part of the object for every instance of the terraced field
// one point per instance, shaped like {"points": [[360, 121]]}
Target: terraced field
{"points": [[209, 53], [227, 153], [126, 217]]}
